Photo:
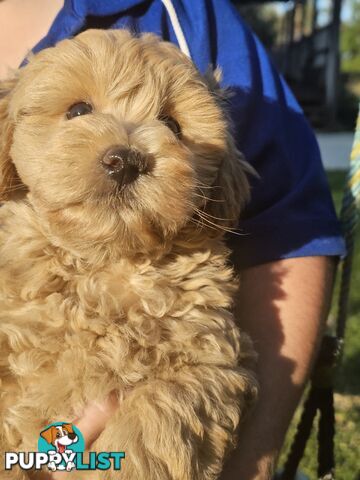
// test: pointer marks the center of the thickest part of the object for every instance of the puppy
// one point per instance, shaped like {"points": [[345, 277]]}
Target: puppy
{"points": [[118, 180]]}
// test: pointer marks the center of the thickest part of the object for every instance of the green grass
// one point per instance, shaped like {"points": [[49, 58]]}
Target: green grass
{"points": [[347, 391]]}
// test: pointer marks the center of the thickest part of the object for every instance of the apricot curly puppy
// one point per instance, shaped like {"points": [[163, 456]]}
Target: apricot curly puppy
{"points": [[118, 178]]}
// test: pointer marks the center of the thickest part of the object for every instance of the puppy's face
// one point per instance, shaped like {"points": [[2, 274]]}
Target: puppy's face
{"points": [[118, 138]]}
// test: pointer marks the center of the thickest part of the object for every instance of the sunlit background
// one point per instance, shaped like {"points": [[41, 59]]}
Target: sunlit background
{"points": [[316, 44]]}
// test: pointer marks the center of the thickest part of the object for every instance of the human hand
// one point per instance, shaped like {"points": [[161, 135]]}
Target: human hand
{"points": [[91, 423]]}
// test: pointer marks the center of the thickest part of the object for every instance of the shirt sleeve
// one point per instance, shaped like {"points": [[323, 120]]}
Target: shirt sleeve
{"points": [[291, 212]]}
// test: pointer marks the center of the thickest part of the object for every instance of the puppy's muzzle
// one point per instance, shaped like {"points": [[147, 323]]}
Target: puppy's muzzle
{"points": [[124, 165]]}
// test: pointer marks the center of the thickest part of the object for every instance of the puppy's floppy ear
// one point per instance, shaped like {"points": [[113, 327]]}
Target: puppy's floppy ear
{"points": [[9, 179], [212, 78], [230, 191], [231, 188], [49, 434]]}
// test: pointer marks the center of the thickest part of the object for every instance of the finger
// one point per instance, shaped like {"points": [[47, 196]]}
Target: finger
{"points": [[94, 418], [91, 423]]}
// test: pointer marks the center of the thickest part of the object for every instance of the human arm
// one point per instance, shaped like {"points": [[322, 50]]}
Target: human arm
{"points": [[283, 306], [23, 23]]}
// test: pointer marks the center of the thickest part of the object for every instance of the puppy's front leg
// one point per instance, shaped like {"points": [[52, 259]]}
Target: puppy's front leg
{"points": [[180, 427]]}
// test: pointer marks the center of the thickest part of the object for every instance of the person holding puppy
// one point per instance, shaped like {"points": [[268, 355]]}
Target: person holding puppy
{"points": [[290, 235]]}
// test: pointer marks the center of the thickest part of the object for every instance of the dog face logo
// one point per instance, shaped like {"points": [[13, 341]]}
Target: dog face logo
{"points": [[60, 436]]}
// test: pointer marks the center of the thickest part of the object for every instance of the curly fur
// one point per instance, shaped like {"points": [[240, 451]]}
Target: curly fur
{"points": [[128, 291]]}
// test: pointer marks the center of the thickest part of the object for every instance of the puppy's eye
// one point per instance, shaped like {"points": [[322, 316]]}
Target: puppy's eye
{"points": [[171, 123], [81, 108], [58, 435]]}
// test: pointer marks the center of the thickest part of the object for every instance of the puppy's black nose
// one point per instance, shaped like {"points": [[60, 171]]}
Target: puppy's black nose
{"points": [[123, 165], [72, 436]]}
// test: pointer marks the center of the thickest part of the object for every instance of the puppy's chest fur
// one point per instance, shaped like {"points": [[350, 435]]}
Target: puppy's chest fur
{"points": [[71, 332]]}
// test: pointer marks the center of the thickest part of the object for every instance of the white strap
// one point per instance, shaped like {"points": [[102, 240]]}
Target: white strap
{"points": [[177, 27]]}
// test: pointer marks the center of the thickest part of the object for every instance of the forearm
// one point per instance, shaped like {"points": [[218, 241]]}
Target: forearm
{"points": [[283, 306]]}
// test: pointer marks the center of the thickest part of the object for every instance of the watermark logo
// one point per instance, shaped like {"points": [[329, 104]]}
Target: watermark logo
{"points": [[61, 441], [61, 447]]}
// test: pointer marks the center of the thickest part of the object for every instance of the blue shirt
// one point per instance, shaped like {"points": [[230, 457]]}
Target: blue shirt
{"points": [[291, 213]]}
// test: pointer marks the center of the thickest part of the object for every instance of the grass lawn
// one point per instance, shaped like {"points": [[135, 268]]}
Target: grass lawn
{"points": [[347, 396]]}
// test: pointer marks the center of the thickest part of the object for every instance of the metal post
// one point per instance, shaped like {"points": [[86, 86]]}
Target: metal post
{"points": [[333, 63], [314, 16]]}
